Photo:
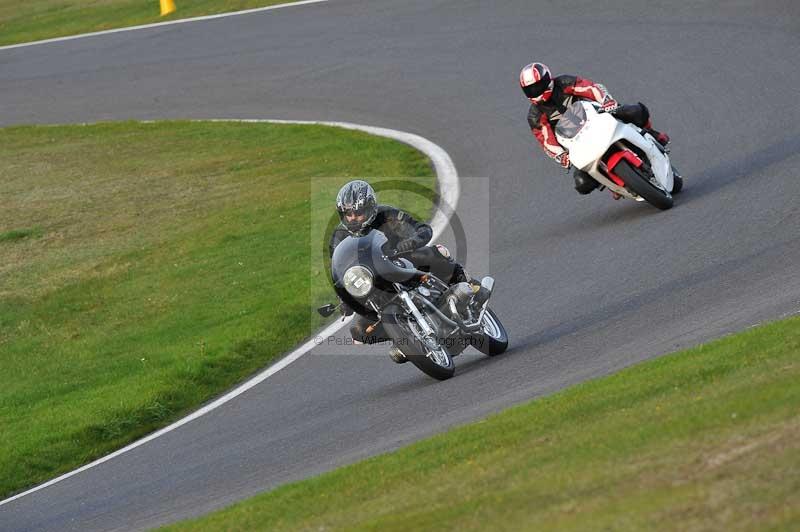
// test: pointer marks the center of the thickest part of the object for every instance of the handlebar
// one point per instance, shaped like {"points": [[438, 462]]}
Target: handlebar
{"points": [[395, 254]]}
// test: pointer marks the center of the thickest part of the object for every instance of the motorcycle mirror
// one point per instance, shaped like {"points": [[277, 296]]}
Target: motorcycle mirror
{"points": [[326, 310]]}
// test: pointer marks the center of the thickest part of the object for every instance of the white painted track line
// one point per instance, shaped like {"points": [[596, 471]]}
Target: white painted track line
{"points": [[449, 189], [161, 24]]}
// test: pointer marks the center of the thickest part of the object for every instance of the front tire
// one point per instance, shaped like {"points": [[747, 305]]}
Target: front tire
{"points": [[438, 365], [637, 182], [493, 339]]}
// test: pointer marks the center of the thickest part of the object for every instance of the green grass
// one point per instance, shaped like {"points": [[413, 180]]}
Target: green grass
{"points": [[22, 21], [706, 439], [169, 261], [19, 234]]}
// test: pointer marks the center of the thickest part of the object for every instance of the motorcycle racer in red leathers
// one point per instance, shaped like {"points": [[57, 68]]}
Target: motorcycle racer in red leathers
{"points": [[551, 96]]}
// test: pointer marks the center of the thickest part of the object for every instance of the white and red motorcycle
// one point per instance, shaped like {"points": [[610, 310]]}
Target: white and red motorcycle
{"points": [[622, 157]]}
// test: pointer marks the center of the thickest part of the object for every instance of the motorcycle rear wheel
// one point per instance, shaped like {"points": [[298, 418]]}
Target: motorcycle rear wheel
{"points": [[493, 339], [677, 185], [639, 183]]}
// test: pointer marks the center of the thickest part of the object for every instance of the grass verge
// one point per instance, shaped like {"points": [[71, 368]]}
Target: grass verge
{"points": [[167, 261], [44, 19], [708, 438]]}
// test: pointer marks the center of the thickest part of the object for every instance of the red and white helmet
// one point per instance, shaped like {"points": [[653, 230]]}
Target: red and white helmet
{"points": [[536, 82]]}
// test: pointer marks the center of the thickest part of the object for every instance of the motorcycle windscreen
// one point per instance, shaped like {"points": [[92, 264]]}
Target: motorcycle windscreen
{"points": [[362, 250], [572, 122]]}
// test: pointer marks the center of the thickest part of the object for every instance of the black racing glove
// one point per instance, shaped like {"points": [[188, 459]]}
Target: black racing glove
{"points": [[409, 244], [345, 309]]}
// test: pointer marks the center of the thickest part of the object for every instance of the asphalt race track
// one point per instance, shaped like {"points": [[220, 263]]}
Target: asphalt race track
{"points": [[586, 285]]}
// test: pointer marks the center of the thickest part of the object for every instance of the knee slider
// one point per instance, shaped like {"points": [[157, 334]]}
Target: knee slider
{"points": [[442, 250], [584, 183]]}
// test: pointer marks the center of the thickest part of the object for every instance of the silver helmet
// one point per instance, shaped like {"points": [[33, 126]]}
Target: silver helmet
{"points": [[357, 197]]}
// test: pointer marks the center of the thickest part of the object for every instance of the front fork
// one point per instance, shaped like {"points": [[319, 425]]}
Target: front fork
{"points": [[422, 321]]}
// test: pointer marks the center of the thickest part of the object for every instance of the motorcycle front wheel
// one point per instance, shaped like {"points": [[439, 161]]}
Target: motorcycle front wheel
{"points": [[636, 180], [434, 361]]}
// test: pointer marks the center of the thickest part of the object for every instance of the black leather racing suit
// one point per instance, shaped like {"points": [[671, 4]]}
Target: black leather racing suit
{"points": [[398, 226]]}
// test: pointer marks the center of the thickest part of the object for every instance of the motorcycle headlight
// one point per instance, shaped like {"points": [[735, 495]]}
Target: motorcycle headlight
{"points": [[358, 281]]}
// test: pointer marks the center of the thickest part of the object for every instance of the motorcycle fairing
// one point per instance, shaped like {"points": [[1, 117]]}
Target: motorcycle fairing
{"points": [[588, 135]]}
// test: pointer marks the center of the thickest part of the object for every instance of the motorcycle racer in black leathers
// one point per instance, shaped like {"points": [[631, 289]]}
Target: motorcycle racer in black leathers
{"points": [[551, 96], [360, 213]]}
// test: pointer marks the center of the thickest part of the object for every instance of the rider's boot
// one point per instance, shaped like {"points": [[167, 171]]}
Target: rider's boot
{"points": [[482, 295], [660, 136]]}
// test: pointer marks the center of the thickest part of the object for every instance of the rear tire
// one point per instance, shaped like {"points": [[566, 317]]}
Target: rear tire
{"points": [[637, 182], [415, 350], [677, 184], [493, 339]]}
